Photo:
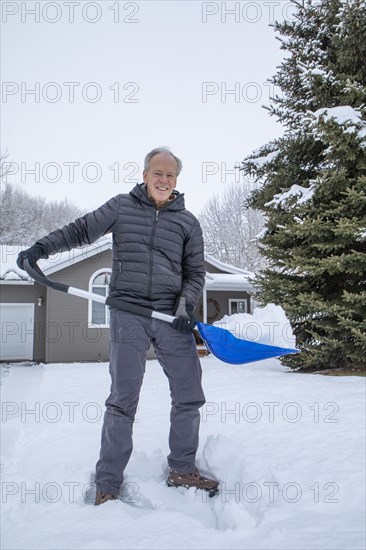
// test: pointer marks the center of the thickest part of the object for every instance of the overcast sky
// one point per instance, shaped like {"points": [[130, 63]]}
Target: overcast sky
{"points": [[90, 87]]}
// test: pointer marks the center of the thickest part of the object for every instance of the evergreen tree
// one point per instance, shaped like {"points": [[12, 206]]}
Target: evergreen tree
{"points": [[313, 190]]}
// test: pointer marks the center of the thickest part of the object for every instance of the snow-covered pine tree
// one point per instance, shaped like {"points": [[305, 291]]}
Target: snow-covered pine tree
{"points": [[313, 190]]}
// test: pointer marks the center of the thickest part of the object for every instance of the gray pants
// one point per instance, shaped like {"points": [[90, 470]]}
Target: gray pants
{"points": [[130, 340]]}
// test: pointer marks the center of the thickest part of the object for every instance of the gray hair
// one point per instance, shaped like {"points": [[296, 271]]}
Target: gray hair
{"points": [[159, 150]]}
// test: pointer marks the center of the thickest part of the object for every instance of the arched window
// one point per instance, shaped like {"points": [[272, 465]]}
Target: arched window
{"points": [[98, 284]]}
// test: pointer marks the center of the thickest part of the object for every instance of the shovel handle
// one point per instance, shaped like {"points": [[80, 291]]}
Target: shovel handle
{"points": [[119, 303], [37, 274]]}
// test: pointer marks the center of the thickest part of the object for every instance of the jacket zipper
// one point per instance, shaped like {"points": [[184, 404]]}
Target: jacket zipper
{"points": [[149, 284]]}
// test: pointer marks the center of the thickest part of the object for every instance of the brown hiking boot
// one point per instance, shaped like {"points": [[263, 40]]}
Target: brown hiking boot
{"points": [[101, 498], [194, 479]]}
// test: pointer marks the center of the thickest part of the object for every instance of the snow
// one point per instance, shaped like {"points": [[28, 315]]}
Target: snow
{"points": [[344, 115], [9, 271], [9, 254], [267, 325], [362, 236], [260, 235], [230, 281], [228, 268], [317, 72], [12, 275], [340, 114], [304, 194], [288, 449], [261, 161]]}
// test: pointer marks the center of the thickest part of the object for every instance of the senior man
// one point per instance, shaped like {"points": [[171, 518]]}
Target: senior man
{"points": [[157, 259]]}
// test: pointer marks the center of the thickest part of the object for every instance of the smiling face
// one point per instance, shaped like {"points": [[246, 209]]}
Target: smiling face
{"points": [[161, 178]]}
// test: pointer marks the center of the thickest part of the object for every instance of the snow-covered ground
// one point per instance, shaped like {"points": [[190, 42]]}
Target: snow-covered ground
{"points": [[288, 449]]}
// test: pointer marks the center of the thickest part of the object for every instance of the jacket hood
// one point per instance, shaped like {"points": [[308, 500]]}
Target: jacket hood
{"points": [[139, 193]]}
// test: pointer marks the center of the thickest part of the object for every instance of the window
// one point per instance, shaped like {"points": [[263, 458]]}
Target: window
{"points": [[237, 306], [99, 283]]}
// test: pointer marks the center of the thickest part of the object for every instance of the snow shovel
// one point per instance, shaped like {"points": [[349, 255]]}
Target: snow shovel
{"points": [[219, 341]]}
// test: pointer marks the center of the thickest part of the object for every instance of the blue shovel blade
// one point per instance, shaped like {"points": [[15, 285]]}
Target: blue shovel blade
{"points": [[230, 349]]}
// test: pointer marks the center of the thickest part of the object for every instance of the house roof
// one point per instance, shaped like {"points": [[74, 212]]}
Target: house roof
{"points": [[227, 268], [234, 278], [9, 271], [230, 281]]}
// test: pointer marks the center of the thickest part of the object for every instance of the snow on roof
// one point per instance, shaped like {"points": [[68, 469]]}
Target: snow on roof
{"points": [[225, 267], [64, 259], [9, 271], [12, 276], [236, 279], [229, 281]]}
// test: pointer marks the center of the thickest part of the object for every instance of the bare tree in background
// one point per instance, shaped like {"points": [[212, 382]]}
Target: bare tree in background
{"points": [[229, 227], [25, 218]]}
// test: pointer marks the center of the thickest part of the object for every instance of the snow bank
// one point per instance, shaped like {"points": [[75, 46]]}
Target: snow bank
{"points": [[268, 325]]}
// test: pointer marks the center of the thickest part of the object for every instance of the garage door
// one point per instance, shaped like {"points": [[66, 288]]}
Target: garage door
{"points": [[17, 331]]}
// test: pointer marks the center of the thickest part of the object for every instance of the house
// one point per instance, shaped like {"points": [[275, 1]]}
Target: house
{"points": [[44, 325]]}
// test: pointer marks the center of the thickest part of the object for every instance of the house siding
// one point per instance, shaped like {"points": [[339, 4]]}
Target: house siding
{"points": [[69, 337], [218, 304], [29, 294], [61, 331]]}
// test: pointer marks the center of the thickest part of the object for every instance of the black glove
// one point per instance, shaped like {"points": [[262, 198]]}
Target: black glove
{"points": [[33, 254], [185, 320]]}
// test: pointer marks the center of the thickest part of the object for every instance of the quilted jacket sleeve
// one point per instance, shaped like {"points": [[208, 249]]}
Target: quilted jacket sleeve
{"points": [[84, 230], [193, 266]]}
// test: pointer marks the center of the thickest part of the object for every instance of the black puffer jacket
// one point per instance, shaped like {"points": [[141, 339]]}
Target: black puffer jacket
{"points": [[157, 254]]}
